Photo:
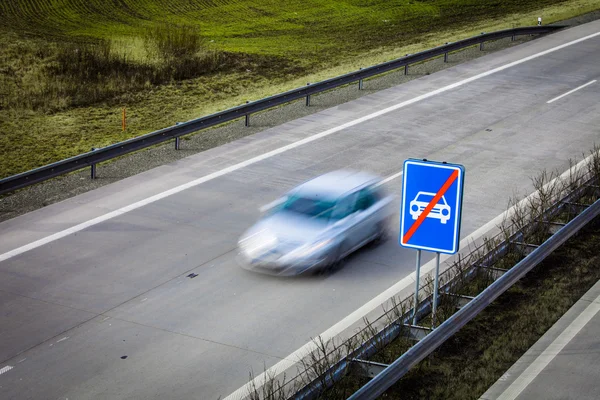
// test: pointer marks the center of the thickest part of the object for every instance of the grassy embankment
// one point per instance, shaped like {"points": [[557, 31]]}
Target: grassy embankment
{"points": [[67, 67]]}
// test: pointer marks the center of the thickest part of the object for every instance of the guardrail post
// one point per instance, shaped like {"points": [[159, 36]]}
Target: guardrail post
{"points": [[93, 168], [178, 138], [308, 96], [360, 82], [512, 38], [481, 44], [247, 119], [406, 69]]}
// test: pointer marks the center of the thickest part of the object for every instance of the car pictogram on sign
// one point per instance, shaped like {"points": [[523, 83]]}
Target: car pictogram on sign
{"points": [[440, 211]]}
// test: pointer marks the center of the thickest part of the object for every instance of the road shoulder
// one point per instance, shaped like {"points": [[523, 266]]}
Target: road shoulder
{"points": [[522, 379]]}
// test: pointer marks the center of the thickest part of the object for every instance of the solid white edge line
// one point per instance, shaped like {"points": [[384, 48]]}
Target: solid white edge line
{"points": [[570, 91], [551, 351], [209, 177], [292, 359]]}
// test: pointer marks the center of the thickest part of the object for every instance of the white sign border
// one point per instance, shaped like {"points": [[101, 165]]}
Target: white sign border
{"points": [[458, 217]]}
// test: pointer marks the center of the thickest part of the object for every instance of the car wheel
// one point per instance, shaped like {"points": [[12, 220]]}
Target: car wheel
{"points": [[382, 235], [338, 260]]}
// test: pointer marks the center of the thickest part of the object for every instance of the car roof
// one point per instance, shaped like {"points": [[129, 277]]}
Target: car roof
{"points": [[335, 184]]}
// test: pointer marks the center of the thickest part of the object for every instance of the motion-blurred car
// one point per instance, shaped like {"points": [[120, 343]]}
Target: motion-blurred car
{"points": [[317, 224], [440, 211]]}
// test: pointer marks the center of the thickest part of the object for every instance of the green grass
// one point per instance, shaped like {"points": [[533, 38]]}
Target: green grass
{"points": [[52, 107]]}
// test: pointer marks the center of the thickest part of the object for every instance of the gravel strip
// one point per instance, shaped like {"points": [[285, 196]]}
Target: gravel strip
{"points": [[61, 188]]}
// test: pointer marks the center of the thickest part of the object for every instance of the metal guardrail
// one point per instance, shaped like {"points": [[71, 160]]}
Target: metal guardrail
{"points": [[383, 381], [91, 158]]}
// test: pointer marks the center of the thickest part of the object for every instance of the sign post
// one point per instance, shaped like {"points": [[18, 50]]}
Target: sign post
{"points": [[430, 213], [435, 289], [416, 302]]}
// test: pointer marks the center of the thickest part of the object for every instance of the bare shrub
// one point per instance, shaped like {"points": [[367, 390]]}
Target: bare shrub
{"points": [[181, 51], [271, 388], [318, 368]]}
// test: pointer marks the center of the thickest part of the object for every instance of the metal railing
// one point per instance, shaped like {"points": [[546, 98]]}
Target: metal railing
{"points": [[96, 156]]}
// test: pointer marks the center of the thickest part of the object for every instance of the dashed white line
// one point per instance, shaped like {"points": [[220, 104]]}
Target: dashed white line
{"points": [[63, 339], [570, 91], [5, 369], [272, 153]]}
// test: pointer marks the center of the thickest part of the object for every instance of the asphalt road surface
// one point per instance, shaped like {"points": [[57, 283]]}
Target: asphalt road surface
{"points": [[95, 302]]}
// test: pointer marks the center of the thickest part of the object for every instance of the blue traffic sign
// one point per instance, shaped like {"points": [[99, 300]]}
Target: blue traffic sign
{"points": [[431, 206]]}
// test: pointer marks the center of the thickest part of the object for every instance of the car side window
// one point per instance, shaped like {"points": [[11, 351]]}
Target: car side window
{"points": [[377, 192], [345, 207], [366, 199]]}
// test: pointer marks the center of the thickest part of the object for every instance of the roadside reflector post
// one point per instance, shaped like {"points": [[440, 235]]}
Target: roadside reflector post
{"points": [[360, 82], [308, 97], [93, 168], [416, 302], [435, 290], [247, 122], [539, 21]]}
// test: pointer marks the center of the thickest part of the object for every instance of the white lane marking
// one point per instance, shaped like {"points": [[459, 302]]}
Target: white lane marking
{"points": [[209, 177], [551, 351], [5, 369], [391, 177], [570, 91], [63, 339], [380, 299]]}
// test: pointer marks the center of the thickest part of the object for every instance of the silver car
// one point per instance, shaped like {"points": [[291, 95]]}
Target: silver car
{"points": [[317, 224]]}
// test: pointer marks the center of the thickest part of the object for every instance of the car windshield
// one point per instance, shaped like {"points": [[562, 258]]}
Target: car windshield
{"points": [[425, 197], [428, 197], [313, 208]]}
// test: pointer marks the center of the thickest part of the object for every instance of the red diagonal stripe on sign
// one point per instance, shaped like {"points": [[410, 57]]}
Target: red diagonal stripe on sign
{"points": [[430, 206]]}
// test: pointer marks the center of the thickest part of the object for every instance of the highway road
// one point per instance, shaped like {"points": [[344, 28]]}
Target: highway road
{"points": [[95, 302]]}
